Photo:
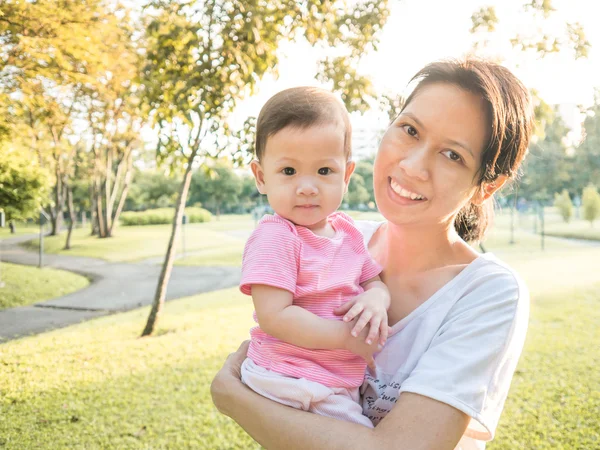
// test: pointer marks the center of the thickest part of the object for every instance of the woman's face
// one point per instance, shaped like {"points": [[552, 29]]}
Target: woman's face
{"points": [[428, 159]]}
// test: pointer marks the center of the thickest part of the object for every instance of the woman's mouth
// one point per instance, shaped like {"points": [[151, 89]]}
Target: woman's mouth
{"points": [[405, 193]]}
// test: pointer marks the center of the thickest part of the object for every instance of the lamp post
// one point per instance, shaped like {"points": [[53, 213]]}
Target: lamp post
{"points": [[2, 226], [184, 221], [43, 218]]}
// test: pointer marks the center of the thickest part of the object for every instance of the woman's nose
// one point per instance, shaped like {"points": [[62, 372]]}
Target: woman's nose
{"points": [[415, 163], [307, 187]]}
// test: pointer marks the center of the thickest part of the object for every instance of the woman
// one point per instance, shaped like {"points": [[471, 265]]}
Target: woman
{"points": [[458, 319]]}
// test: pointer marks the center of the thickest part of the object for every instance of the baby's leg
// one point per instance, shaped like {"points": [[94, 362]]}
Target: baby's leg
{"points": [[295, 392], [342, 404]]}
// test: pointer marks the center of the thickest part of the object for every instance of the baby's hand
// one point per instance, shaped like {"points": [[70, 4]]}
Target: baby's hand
{"points": [[371, 305], [358, 346]]}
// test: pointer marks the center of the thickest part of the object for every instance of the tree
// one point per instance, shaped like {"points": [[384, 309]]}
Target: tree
{"points": [[48, 70], [23, 186], [541, 36], [357, 194], [216, 188], [152, 189], [116, 119], [547, 169], [586, 167], [364, 169], [564, 205], [204, 56], [590, 201]]}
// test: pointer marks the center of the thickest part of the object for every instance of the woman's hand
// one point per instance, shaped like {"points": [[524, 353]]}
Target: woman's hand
{"points": [[228, 378]]}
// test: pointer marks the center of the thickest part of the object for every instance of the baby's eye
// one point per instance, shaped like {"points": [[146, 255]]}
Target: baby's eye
{"points": [[289, 171], [324, 171]]}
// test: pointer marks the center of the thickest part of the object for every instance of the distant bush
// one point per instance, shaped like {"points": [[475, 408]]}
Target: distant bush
{"points": [[161, 216], [591, 204], [563, 203]]}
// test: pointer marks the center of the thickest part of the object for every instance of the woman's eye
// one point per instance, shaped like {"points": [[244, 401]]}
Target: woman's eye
{"points": [[289, 171], [452, 155], [324, 171], [410, 130]]}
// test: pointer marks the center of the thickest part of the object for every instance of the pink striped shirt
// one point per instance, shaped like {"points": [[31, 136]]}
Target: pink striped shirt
{"points": [[322, 273]]}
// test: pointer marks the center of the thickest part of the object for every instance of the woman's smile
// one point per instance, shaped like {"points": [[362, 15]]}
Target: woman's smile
{"points": [[402, 196]]}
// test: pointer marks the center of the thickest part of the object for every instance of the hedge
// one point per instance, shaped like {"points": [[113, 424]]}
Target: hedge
{"points": [[162, 216]]}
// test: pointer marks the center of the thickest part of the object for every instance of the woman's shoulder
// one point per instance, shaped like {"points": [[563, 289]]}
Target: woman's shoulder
{"points": [[488, 270], [490, 284], [367, 228]]}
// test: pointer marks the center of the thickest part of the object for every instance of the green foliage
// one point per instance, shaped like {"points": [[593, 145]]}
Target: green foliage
{"points": [[216, 188], [547, 168], [391, 105], [564, 205], [204, 57], [590, 201], [23, 185], [586, 168], [484, 19], [364, 169], [163, 216], [357, 194], [545, 37], [152, 189], [58, 61]]}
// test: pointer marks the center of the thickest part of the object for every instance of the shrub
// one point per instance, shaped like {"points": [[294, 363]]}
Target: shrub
{"points": [[161, 216], [564, 205], [591, 204]]}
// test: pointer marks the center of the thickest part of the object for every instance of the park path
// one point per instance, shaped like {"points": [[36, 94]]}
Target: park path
{"points": [[114, 287]]}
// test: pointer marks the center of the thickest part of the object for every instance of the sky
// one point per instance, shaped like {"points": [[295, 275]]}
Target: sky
{"points": [[421, 31]]}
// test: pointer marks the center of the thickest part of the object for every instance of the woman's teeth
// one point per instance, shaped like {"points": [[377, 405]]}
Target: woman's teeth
{"points": [[403, 192]]}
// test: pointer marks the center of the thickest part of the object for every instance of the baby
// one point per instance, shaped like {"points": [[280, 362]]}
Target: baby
{"points": [[306, 260]]}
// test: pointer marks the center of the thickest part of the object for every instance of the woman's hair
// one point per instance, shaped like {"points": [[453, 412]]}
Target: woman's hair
{"points": [[510, 117], [301, 107]]}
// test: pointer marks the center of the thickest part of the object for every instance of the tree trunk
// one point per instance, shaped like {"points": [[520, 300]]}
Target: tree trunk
{"points": [[72, 217], [99, 210], [107, 191], [59, 199], [127, 182], [165, 274], [93, 212], [218, 211]]}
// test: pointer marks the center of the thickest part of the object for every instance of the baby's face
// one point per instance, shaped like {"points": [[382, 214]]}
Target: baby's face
{"points": [[304, 173]]}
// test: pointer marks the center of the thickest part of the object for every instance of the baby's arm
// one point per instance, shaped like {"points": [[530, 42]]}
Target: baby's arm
{"points": [[372, 306], [278, 317]]}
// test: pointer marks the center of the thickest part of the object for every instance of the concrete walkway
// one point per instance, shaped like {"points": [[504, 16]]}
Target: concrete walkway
{"points": [[114, 287]]}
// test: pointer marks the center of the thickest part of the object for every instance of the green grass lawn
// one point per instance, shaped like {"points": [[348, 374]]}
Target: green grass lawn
{"points": [[97, 385], [21, 229], [579, 229], [25, 285], [139, 242], [554, 225]]}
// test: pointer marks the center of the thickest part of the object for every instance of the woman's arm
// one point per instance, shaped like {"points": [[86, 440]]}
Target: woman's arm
{"points": [[415, 423]]}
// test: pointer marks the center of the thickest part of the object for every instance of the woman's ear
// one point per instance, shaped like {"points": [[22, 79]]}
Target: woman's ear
{"points": [[486, 190], [259, 176]]}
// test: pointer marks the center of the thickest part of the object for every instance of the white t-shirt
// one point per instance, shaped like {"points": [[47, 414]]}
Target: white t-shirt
{"points": [[460, 347]]}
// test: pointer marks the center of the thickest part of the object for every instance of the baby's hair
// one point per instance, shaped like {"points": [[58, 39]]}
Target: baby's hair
{"points": [[301, 107]]}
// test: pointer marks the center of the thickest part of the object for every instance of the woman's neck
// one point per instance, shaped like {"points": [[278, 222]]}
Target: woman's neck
{"points": [[417, 249]]}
